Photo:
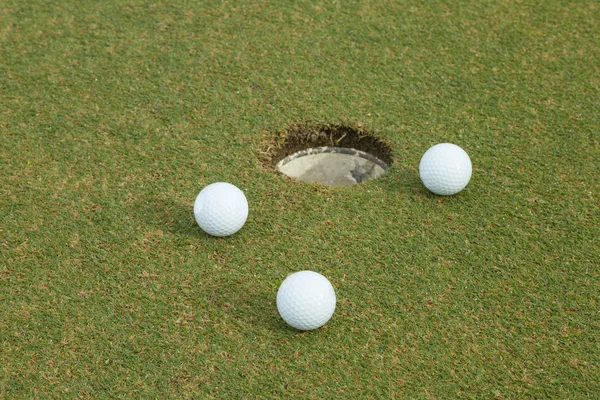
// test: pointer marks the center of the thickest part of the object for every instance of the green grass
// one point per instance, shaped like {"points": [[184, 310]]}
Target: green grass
{"points": [[113, 115]]}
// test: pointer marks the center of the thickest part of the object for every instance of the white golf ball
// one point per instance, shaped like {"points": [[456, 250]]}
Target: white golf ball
{"points": [[221, 209], [306, 300], [445, 169]]}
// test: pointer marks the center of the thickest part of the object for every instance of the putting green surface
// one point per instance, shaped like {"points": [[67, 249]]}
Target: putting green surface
{"points": [[114, 115]]}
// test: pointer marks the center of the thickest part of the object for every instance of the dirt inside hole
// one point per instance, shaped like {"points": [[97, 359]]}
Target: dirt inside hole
{"points": [[302, 137]]}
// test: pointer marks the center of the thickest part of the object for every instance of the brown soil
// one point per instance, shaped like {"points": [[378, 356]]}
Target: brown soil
{"points": [[301, 137]]}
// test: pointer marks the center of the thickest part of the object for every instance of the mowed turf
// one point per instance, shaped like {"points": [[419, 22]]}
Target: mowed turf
{"points": [[115, 114]]}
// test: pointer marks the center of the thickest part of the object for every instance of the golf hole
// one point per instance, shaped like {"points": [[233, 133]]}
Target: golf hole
{"points": [[330, 155]]}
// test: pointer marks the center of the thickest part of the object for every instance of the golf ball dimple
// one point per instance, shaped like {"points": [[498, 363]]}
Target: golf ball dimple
{"points": [[306, 300], [445, 169], [221, 209]]}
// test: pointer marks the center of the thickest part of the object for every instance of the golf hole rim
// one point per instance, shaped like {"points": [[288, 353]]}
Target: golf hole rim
{"points": [[333, 150], [302, 140]]}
